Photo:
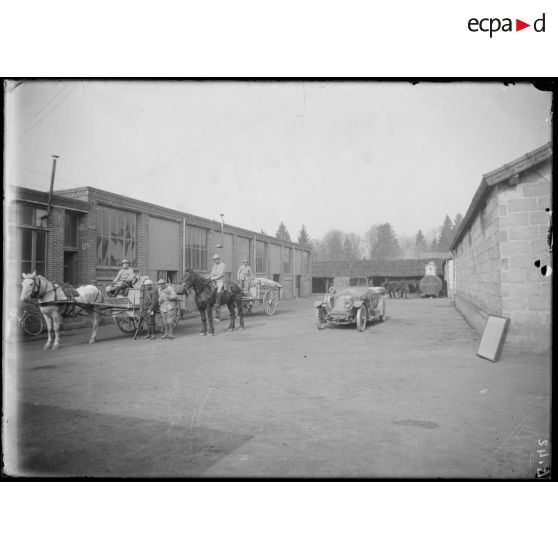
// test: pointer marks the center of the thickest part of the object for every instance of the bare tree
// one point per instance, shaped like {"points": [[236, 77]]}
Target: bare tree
{"points": [[333, 244], [353, 247], [370, 239]]}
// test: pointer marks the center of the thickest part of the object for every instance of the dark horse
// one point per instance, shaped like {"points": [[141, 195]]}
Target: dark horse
{"points": [[206, 298]]}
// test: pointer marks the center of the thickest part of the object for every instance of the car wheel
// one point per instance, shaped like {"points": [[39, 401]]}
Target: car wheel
{"points": [[321, 321], [362, 318]]}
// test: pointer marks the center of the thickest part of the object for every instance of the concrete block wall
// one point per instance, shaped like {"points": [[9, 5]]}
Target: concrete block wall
{"points": [[477, 268], [526, 294]]}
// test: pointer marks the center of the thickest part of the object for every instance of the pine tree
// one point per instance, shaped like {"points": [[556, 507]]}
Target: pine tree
{"points": [[303, 237], [282, 233], [421, 244], [457, 221], [386, 246], [446, 235]]}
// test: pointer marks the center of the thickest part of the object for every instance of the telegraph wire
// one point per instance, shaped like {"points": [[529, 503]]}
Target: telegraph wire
{"points": [[48, 112], [42, 174], [249, 125], [64, 87]]}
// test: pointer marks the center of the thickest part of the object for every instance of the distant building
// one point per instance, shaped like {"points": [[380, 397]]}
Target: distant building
{"points": [[89, 231], [501, 236], [340, 274]]}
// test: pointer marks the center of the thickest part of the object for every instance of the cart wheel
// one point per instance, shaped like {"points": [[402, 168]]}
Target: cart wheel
{"points": [[270, 303], [246, 309], [125, 324], [32, 324], [321, 321], [362, 318]]}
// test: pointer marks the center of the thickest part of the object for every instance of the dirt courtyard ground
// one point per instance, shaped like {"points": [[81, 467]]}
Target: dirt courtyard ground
{"points": [[407, 398]]}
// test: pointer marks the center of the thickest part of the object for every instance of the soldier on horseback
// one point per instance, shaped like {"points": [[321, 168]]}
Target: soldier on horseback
{"points": [[217, 275]]}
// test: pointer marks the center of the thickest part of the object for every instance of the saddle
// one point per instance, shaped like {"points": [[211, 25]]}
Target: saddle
{"points": [[69, 290]]}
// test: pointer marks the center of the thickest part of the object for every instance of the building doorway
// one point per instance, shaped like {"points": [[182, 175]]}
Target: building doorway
{"points": [[70, 268]]}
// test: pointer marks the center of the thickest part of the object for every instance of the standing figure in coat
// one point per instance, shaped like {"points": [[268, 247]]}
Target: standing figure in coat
{"points": [[167, 304], [149, 307]]}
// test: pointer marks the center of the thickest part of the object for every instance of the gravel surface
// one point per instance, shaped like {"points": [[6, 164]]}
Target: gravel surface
{"points": [[407, 398]]}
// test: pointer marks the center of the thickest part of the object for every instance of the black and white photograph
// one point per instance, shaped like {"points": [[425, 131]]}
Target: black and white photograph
{"points": [[277, 279]]}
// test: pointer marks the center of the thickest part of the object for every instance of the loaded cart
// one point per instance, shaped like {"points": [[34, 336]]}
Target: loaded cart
{"points": [[129, 318], [263, 291]]}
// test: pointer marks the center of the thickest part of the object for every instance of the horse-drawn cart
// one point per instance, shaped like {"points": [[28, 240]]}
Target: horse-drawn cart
{"points": [[125, 310], [263, 291]]}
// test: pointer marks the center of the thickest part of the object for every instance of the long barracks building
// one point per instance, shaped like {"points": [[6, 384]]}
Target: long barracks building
{"points": [[89, 231]]}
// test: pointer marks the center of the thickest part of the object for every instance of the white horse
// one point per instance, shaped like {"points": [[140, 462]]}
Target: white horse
{"points": [[36, 286]]}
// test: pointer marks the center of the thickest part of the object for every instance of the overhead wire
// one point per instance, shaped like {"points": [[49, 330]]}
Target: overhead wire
{"points": [[210, 143], [49, 111], [42, 174], [64, 87]]}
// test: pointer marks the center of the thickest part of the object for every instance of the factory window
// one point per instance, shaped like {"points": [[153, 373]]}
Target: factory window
{"points": [[29, 215], [31, 240], [71, 230], [261, 257], [116, 237], [286, 259], [243, 249], [32, 250], [196, 248]]}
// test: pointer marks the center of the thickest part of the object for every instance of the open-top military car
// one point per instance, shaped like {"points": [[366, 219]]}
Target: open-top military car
{"points": [[353, 305]]}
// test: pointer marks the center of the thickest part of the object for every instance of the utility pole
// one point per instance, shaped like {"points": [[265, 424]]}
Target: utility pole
{"points": [[54, 157]]}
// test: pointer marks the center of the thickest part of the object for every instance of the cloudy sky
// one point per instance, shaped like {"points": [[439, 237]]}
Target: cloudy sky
{"points": [[325, 154]]}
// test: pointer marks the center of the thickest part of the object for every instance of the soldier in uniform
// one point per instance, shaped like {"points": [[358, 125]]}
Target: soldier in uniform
{"points": [[167, 305], [123, 280], [217, 274], [244, 275], [149, 307]]}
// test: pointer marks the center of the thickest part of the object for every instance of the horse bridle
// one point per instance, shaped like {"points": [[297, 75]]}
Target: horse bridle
{"points": [[37, 285], [202, 284]]}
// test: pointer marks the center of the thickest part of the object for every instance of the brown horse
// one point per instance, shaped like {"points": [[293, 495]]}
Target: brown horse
{"points": [[206, 297], [55, 303]]}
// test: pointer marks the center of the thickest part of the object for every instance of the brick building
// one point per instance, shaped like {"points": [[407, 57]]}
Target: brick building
{"points": [[501, 236], [89, 231]]}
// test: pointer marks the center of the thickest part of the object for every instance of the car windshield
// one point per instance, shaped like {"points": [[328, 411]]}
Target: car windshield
{"points": [[354, 291]]}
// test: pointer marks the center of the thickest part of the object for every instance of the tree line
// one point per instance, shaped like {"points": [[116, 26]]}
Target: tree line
{"points": [[380, 242]]}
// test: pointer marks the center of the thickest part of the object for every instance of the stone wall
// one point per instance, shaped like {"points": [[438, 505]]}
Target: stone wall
{"points": [[477, 266]]}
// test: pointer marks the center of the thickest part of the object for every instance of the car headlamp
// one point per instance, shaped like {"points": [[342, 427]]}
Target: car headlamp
{"points": [[348, 304]]}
